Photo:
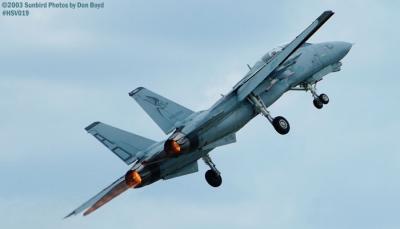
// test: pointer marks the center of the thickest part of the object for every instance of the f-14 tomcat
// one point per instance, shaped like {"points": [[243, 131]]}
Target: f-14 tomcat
{"points": [[193, 135]]}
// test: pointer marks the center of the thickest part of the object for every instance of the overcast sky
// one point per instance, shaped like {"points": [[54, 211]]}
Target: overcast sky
{"points": [[63, 69]]}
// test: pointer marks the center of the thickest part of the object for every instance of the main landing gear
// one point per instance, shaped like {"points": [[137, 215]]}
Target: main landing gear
{"points": [[213, 176], [280, 124]]}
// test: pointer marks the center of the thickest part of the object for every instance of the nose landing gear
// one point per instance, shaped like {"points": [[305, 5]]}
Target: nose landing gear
{"points": [[324, 98], [319, 100], [318, 103]]}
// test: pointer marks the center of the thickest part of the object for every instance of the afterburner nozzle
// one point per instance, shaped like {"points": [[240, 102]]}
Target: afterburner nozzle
{"points": [[180, 143], [133, 179], [172, 147]]}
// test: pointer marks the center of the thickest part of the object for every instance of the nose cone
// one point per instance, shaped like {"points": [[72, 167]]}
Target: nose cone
{"points": [[332, 52], [342, 48]]}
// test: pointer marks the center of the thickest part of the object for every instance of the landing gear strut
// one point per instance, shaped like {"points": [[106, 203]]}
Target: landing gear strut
{"points": [[280, 124], [213, 176]]}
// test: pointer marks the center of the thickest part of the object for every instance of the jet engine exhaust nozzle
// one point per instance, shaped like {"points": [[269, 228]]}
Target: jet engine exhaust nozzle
{"points": [[177, 147], [172, 147], [179, 144], [132, 179]]}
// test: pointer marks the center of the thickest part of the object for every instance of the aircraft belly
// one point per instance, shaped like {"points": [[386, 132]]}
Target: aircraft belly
{"points": [[173, 164], [231, 123], [275, 92], [323, 72], [187, 169]]}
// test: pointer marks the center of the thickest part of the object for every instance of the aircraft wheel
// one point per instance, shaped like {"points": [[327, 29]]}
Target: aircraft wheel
{"points": [[324, 98], [213, 178], [318, 103], [281, 125]]}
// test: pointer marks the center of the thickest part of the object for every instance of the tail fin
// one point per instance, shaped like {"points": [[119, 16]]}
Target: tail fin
{"points": [[164, 112], [122, 143]]}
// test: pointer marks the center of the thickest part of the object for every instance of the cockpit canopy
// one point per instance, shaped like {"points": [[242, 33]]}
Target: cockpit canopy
{"points": [[267, 57], [273, 52], [276, 50]]}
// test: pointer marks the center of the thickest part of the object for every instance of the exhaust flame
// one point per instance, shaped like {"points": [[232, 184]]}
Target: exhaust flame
{"points": [[179, 143], [133, 179], [175, 147]]}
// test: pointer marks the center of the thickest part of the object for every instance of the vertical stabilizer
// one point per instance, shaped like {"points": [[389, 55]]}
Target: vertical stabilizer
{"points": [[164, 112]]}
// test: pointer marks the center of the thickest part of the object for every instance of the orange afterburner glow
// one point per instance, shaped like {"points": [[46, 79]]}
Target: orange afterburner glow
{"points": [[133, 179], [175, 147]]}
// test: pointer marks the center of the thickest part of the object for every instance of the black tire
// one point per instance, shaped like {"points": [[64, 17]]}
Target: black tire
{"points": [[281, 125], [213, 178], [324, 98], [318, 103]]}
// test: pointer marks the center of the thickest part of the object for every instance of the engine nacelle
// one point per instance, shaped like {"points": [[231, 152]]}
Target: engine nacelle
{"points": [[179, 144]]}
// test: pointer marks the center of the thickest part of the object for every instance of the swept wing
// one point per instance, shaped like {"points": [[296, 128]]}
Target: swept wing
{"points": [[107, 194]]}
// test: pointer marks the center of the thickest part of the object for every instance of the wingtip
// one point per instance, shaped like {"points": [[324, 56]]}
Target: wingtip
{"points": [[329, 12], [69, 215], [325, 16], [92, 125], [133, 92]]}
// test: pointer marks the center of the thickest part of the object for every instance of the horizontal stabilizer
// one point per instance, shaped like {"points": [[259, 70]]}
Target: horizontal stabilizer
{"points": [[125, 145], [164, 112]]}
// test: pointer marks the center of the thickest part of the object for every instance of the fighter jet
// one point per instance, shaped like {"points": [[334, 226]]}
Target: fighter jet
{"points": [[193, 135]]}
